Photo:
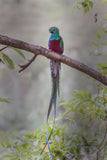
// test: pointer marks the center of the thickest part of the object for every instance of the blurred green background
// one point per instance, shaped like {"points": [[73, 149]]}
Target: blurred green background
{"points": [[29, 91]]}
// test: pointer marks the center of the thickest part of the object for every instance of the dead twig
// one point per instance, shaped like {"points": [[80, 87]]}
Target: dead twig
{"points": [[2, 50], [23, 67]]}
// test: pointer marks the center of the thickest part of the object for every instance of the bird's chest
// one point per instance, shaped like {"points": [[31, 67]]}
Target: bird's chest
{"points": [[55, 45]]}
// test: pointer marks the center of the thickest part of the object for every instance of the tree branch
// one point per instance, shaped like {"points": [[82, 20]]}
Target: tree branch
{"points": [[2, 50], [38, 50], [23, 67]]}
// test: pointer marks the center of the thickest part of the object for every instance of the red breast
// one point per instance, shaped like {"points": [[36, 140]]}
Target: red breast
{"points": [[54, 45]]}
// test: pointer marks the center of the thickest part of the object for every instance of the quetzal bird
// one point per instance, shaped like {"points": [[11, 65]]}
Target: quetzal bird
{"points": [[56, 44]]}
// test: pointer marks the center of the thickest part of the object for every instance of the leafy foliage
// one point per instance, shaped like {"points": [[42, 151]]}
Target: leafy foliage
{"points": [[86, 5], [19, 52], [31, 145], [89, 112], [4, 100], [103, 68], [99, 35], [90, 107], [104, 2], [7, 60], [86, 111]]}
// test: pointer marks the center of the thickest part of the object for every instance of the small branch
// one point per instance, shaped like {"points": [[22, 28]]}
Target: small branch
{"points": [[105, 134], [100, 149], [23, 67], [38, 50], [101, 145], [1, 61], [3, 48]]}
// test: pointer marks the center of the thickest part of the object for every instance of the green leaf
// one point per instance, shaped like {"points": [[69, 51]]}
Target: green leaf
{"points": [[63, 129], [99, 54], [0, 54], [16, 143], [104, 2], [36, 152], [103, 29], [8, 61], [102, 111], [3, 144], [86, 9], [8, 144], [83, 93], [90, 4], [95, 44], [73, 118], [4, 100], [70, 110], [84, 140], [58, 132], [81, 3], [102, 65], [104, 43], [89, 95], [49, 128], [25, 145], [29, 133], [75, 141], [65, 104], [7, 156], [99, 36], [98, 26], [19, 52], [36, 132]]}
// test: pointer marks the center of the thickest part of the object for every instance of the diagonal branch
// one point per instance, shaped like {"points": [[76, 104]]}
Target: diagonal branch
{"points": [[1, 49], [38, 50], [23, 67]]}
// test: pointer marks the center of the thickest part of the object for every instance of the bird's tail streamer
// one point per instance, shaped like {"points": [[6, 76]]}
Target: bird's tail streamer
{"points": [[53, 101]]}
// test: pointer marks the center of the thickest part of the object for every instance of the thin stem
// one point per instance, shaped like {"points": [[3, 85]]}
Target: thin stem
{"points": [[3, 48], [23, 67]]}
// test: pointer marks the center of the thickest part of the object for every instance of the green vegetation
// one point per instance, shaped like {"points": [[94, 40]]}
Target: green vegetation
{"points": [[86, 5], [90, 116], [84, 131]]}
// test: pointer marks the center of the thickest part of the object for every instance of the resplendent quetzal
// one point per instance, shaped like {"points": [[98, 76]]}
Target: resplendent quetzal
{"points": [[55, 43]]}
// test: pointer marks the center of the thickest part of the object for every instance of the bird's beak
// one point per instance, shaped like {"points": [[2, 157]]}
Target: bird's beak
{"points": [[50, 32]]}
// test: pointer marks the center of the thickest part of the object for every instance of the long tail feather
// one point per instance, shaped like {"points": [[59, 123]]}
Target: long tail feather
{"points": [[53, 100], [55, 69], [48, 139]]}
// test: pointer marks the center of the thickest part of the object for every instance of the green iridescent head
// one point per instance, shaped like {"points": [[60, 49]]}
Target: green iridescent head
{"points": [[54, 30]]}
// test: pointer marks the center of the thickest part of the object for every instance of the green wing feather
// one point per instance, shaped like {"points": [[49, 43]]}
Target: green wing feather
{"points": [[62, 44]]}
